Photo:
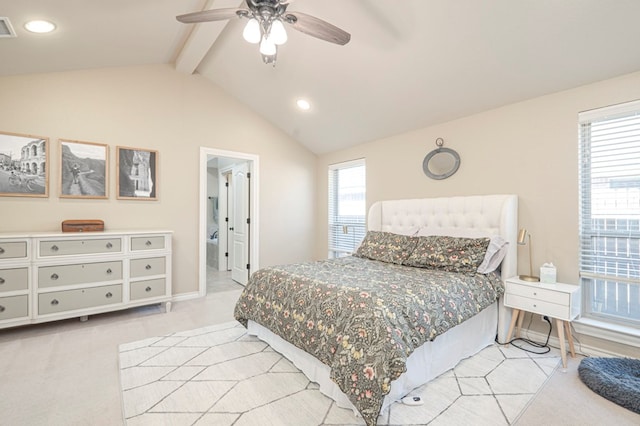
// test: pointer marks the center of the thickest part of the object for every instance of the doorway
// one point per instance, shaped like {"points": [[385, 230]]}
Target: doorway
{"points": [[228, 242]]}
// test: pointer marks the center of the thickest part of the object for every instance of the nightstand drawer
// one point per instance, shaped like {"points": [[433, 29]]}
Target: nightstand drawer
{"points": [[14, 307], [60, 301], [88, 246], [13, 250], [537, 306], [538, 293], [147, 243], [147, 267], [59, 275], [14, 279]]}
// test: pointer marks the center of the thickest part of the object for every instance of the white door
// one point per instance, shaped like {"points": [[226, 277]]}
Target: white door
{"points": [[240, 223]]}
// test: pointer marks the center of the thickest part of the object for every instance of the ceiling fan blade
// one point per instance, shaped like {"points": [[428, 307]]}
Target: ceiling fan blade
{"points": [[316, 27], [208, 15]]}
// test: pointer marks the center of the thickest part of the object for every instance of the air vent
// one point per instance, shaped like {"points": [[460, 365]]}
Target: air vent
{"points": [[6, 30]]}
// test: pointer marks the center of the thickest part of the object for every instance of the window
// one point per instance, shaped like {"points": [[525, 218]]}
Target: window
{"points": [[610, 213], [347, 207]]}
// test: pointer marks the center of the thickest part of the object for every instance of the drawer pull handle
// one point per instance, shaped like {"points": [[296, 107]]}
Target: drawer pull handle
{"points": [[54, 302], [54, 276], [54, 248], [1, 280], [148, 243], [109, 271], [147, 267], [109, 245], [1, 250], [2, 308], [535, 294], [148, 289], [108, 295]]}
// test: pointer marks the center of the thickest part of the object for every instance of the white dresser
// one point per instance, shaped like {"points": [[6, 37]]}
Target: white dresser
{"points": [[52, 276]]}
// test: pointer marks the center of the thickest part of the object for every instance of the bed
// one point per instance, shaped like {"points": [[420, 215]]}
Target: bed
{"points": [[370, 328]]}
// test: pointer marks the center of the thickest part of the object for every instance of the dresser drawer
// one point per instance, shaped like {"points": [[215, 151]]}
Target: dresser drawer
{"points": [[69, 300], [541, 294], [537, 306], [14, 279], [82, 273], [147, 267], [88, 246], [147, 289], [13, 250], [147, 243], [14, 307]]}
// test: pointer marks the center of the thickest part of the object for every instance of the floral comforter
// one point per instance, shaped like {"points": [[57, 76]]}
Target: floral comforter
{"points": [[361, 317]]}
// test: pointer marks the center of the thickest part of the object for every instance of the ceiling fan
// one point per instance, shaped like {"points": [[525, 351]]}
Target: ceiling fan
{"points": [[265, 25]]}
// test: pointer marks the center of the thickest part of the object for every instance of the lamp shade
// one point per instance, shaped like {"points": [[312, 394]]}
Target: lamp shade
{"points": [[252, 32], [267, 47], [522, 235], [278, 35]]}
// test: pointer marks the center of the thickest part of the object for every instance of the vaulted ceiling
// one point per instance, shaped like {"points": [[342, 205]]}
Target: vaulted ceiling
{"points": [[409, 64]]}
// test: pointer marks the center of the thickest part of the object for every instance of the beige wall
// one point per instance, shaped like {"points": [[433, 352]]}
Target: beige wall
{"points": [[529, 149], [155, 107]]}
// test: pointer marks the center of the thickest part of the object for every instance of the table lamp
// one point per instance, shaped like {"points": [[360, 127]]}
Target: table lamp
{"points": [[522, 235]]}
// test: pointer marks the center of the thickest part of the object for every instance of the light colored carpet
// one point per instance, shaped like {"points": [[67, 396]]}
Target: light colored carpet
{"points": [[566, 401], [219, 375]]}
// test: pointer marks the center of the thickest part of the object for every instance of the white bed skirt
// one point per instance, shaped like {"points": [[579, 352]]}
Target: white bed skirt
{"points": [[424, 364]]}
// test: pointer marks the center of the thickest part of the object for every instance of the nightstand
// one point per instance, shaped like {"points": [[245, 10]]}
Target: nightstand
{"points": [[559, 301]]}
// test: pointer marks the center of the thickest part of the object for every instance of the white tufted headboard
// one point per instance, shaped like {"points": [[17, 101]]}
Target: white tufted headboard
{"points": [[473, 216]]}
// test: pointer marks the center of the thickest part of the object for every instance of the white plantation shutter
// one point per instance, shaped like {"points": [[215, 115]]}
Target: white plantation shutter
{"points": [[610, 212], [347, 207]]}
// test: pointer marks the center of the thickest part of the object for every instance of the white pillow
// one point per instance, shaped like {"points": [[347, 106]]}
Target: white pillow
{"points": [[496, 251]]}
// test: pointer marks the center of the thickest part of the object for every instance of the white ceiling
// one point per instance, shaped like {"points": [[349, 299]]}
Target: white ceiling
{"points": [[409, 64]]}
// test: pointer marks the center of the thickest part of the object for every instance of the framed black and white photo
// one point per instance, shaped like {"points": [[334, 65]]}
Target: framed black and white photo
{"points": [[83, 169], [24, 165], [137, 174]]}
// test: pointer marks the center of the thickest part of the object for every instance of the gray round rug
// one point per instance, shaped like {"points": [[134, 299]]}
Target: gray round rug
{"points": [[617, 379]]}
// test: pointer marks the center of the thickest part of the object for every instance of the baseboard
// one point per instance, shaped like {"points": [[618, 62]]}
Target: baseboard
{"points": [[580, 348], [185, 296]]}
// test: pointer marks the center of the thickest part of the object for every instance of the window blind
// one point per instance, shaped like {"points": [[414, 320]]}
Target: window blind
{"points": [[610, 212], [347, 207]]}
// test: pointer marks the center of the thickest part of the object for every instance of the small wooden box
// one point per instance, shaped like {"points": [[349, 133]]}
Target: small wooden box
{"points": [[83, 225]]}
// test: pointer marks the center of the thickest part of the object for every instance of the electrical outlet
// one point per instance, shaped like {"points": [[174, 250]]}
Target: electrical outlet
{"points": [[542, 318]]}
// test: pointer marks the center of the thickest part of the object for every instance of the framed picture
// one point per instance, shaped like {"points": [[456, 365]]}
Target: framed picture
{"points": [[24, 165], [137, 174], [83, 169]]}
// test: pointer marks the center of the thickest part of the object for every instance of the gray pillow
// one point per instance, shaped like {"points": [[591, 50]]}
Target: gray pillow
{"points": [[386, 247], [453, 254]]}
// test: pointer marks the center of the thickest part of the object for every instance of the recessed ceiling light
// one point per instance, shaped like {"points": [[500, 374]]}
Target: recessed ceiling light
{"points": [[303, 104], [40, 26]]}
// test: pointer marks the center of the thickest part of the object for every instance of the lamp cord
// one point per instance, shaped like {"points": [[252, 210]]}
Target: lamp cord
{"points": [[531, 342]]}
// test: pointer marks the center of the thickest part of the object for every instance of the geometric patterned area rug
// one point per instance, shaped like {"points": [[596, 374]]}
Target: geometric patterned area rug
{"points": [[221, 376]]}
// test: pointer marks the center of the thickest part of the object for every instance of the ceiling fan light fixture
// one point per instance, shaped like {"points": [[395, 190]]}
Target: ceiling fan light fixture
{"points": [[278, 34], [267, 47], [252, 32], [266, 24]]}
